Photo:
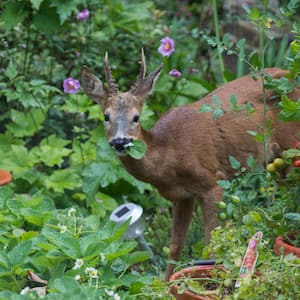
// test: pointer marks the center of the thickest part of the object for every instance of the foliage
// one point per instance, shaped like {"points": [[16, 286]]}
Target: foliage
{"points": [[73, 253]]}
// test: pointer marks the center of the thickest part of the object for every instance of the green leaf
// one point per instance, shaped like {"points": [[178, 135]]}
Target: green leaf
{"points": [[18, 254], [36, 3], [136, 257], [51, 150], [293, 216], [67, 244], [13, 14], [60, 180], [234, 163], [46, 19], [64, 284], [35, 217], [6, 193], [111, 231], [65, 8], [118, 248], [216, 100], [205, 108], [11, 71], [217, 113], [25, 123], [138, 150], [4, 263]]}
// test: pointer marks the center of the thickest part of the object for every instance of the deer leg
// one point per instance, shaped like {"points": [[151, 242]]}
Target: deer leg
{"points": [[181, 218], [209, 210]]}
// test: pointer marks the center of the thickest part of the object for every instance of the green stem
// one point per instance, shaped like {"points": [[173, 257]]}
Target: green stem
{"points": [[216, 26], [262, 60], [26, 51]]}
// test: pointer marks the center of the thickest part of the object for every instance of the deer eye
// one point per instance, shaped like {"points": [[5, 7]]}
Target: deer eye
{"points": [[106, 117], [135, 119]]}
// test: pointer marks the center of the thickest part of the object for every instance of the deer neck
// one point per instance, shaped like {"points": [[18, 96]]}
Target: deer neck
{"points": [[142, 168]]}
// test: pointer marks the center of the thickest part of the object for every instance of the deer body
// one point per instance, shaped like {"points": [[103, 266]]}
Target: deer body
{"points": [[188, 151]]}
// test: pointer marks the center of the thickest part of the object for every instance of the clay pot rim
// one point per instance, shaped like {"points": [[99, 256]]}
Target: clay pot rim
{"points": [[5, 177], [280, 242], [188, 272]]}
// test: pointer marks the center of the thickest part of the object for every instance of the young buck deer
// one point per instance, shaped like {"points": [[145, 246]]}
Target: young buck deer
{"points": [[188, 151]]}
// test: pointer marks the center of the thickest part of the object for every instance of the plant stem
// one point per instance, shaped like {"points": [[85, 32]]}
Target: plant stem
{"points": [[262, 60], [216, 26]]}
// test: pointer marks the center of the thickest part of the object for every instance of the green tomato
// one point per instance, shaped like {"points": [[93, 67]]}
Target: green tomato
{"points": [[271, 168], [235, 199], [227, 282], [221, 205], [279, 163], [222, 216]]}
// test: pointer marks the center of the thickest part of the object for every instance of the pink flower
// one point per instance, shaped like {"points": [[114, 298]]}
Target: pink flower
{"points": [[166, 47], [83, 15], [71, 85], [175, 73]]}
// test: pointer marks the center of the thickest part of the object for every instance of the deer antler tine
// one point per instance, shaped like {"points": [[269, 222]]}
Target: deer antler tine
{"points": [[139, 80], [112, 86]]}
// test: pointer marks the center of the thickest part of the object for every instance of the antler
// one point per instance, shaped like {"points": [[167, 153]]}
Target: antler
{"points": [[139, 80], [112, 85]]}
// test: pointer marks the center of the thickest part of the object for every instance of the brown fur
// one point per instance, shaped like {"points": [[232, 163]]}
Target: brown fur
{"points": [[188, 151]]}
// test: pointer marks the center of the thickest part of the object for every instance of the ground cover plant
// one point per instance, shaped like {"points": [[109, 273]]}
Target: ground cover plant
{"points": [[55, 233]]}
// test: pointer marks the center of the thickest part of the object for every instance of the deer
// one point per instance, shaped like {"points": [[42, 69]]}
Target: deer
{"points": [[188, 151]]}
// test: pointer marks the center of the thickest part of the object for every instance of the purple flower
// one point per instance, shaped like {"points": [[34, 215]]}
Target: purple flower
{"points": [[166, 47], [71, 85], [83, 15], [175, 73]]}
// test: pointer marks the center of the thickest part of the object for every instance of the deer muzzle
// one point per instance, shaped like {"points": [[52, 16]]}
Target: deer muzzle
{"points": [[120, 143]]}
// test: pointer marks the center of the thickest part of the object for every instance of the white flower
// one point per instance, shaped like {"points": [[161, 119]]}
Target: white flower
{"points": [[109, 292], [71, 212], [92, 272], [102, 257], [62, 228], [116, 296], [78, 264], [26, 290], [77, 277]]}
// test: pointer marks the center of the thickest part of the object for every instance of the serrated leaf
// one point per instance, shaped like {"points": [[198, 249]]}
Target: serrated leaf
{"points": [[18, 254], [13, 14], [36, 3], [137, 150], [4, 263], [25, 123], [118, 248], [11, 71], [65, 8], [65, 284], [46, 19], [69, 245], [60, 180]]}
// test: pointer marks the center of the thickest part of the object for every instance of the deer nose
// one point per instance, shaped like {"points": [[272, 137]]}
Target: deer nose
{"points": [[120, 143]]}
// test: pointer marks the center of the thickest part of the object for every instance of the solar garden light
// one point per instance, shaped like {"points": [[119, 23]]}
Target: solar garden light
{"points": [[132, 212]]}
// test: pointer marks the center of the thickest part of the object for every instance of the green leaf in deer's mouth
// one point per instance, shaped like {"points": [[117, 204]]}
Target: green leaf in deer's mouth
{"points": [[137, 150]]}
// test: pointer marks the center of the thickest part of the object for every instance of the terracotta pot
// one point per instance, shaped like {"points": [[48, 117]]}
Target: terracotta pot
{"points": [[203, 271], [5, 177], [281, 246]]}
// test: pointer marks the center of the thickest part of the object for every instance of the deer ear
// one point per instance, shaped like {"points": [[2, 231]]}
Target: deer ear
{"points": [[147, 85], [93, 86]]}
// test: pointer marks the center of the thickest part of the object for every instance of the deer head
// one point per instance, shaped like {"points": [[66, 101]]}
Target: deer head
{"points": [[121, 110]]}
